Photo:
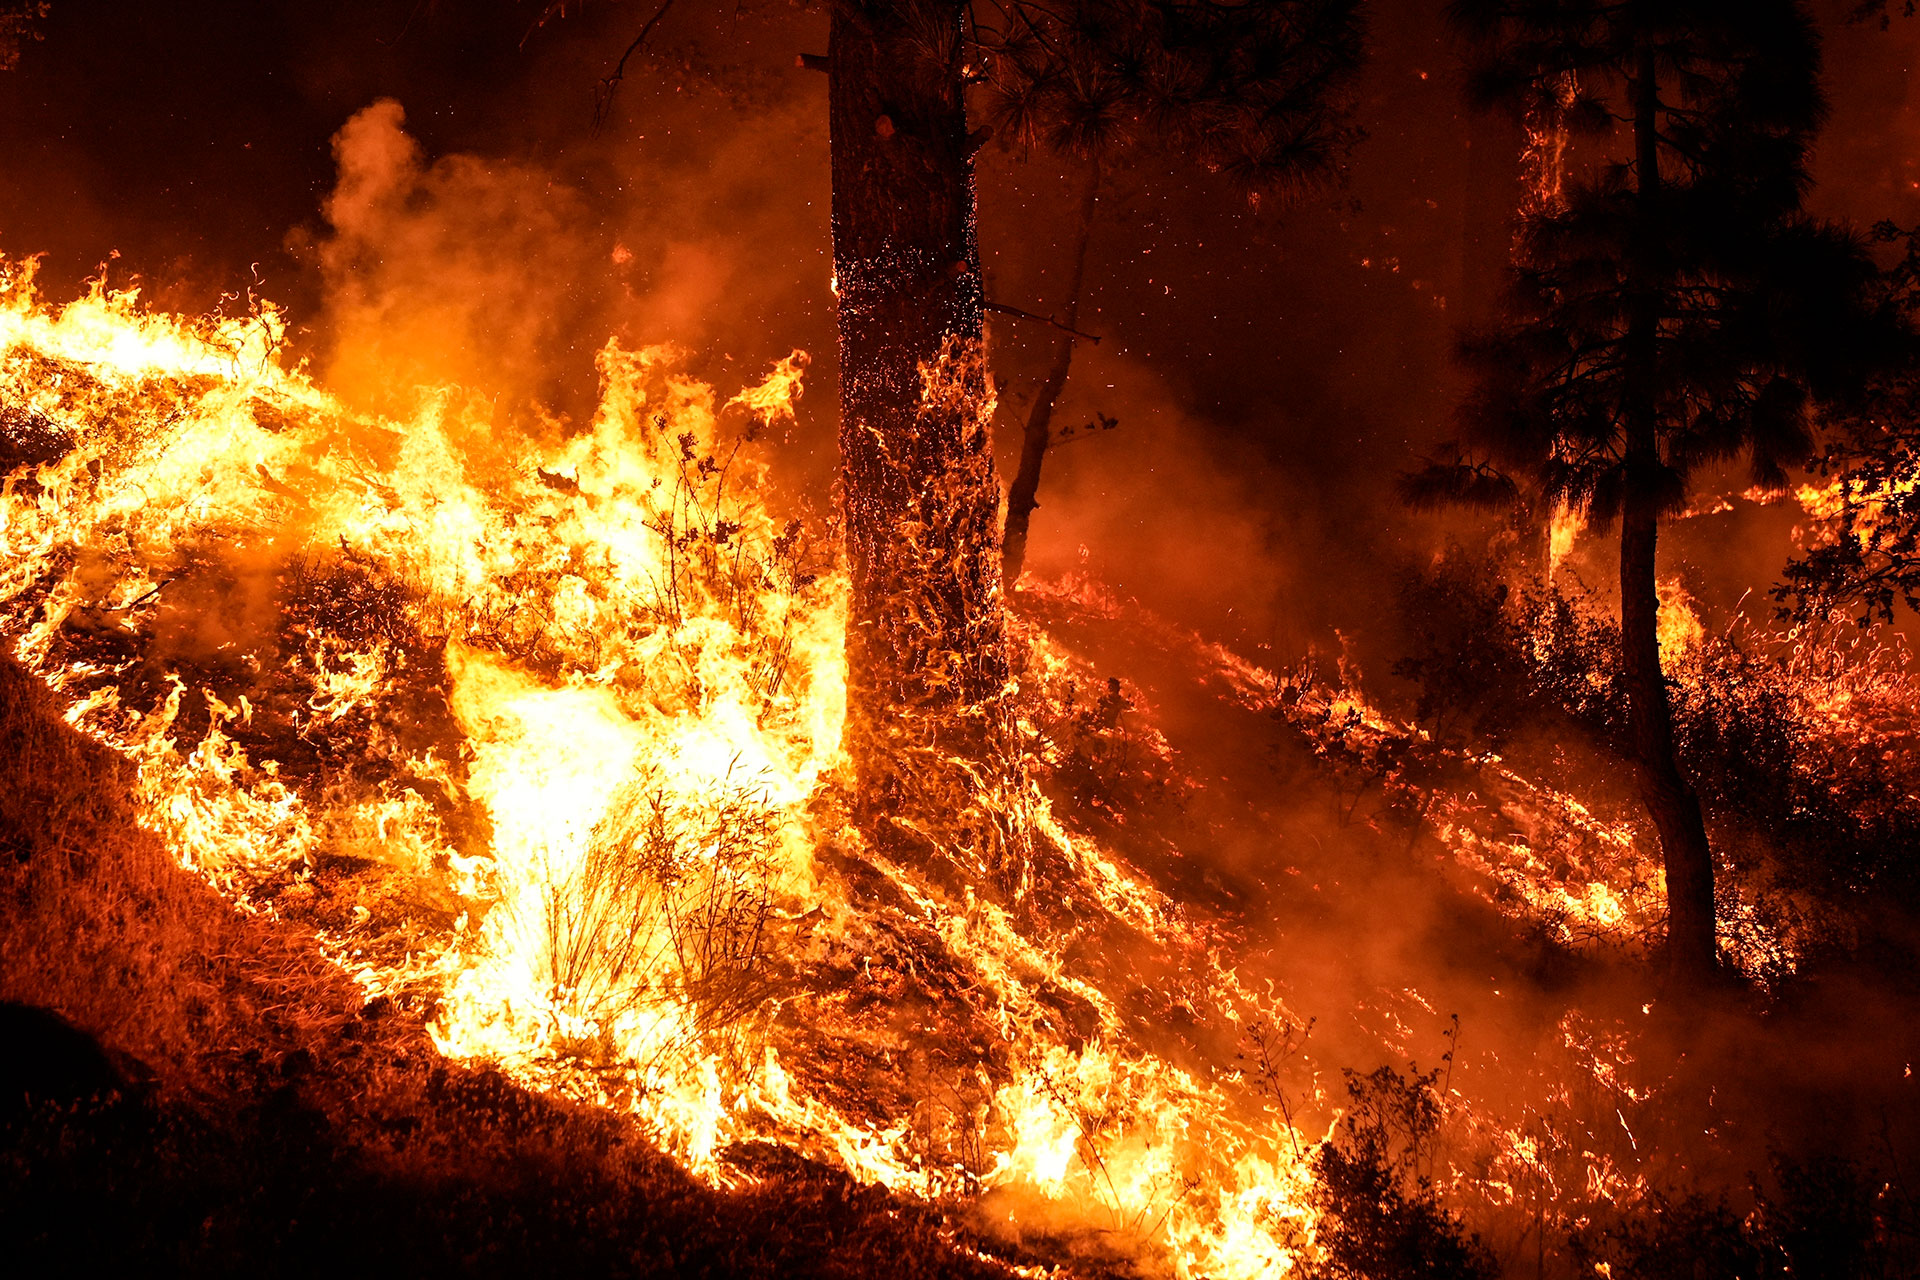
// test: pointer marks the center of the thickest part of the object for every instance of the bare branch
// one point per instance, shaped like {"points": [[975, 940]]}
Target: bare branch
{"points": [[1003, 309], [604, 91]]}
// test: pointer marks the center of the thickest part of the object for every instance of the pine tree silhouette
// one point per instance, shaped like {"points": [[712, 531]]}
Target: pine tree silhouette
{"points": [[1676, 307]]}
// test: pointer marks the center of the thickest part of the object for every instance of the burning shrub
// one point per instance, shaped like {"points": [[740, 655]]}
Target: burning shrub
{"points": [[670, 908], [1489, 662], [1809, 735]]}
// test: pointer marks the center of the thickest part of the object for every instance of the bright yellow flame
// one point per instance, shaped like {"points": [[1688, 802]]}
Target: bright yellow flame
{"points": [[1561, 535], [1680, 629]]}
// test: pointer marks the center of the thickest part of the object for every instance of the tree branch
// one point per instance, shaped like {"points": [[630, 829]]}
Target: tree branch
{"points": [[604, 91], [1003, 309]]}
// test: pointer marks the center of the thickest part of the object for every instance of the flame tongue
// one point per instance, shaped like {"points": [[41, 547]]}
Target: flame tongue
{"points": [[545, 761]]}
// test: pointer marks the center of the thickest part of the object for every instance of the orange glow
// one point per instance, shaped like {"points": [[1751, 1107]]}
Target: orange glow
{"points": [[572, 696]]}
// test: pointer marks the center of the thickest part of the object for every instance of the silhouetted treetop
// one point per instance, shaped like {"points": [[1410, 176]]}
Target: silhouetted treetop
{"points": [[1882, 10], [1755, 310], [1739, 89], [1258, 90]]}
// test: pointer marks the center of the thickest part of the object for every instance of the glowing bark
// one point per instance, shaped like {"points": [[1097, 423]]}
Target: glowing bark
{"points": [[925, 643]]}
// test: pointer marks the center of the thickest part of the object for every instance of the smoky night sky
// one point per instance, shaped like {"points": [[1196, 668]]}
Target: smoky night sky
{"points": [[1271, 370]]}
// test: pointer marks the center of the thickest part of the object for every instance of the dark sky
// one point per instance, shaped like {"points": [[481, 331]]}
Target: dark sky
{"points": [[1271, 370]]}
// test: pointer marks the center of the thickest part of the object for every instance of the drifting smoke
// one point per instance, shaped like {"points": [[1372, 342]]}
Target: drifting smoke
{"points": [[502, 274], [457, 271], [1152, 504]]}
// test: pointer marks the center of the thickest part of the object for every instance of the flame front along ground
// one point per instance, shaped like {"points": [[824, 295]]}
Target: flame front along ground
{"points": [[561, 707], [538, 722]]}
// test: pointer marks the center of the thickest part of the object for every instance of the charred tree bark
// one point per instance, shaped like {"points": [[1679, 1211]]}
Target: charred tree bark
{"points": [[926, 657], [1023, 493], [1672, 803]]}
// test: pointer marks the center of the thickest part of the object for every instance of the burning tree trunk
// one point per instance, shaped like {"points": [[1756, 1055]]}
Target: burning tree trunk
{"points": [[926, 656], [1663, 788], [1023, 494]]}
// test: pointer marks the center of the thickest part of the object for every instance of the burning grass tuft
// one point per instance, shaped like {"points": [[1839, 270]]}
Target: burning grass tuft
{"points": [[673, 907]]}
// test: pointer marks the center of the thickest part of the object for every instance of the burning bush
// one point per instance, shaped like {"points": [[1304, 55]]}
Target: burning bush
{"points": [[670, 909], [1385, 1218]]}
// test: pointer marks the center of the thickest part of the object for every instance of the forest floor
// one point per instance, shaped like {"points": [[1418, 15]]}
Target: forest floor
{"points": [[271, 1121], [1318, 860]]}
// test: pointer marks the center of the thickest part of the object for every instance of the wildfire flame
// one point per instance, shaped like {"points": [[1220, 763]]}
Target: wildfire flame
{"points": [[571, 697], [559, 707], [1562, 533]]}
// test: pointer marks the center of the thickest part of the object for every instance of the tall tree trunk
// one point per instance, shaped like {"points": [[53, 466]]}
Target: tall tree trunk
{"points": [[1022, 494], [1672, 803], [926, 657]]}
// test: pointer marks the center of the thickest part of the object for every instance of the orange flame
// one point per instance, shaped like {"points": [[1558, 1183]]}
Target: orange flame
{"points": [[589, 693]]}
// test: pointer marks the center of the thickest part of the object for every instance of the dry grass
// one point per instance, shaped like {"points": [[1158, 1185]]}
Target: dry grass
{"points": [[672, 908], [101, 924]]}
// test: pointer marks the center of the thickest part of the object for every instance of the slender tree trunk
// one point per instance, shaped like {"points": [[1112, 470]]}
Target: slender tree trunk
{"points": [[925, 642], [1672, 803], [1022, 494]]}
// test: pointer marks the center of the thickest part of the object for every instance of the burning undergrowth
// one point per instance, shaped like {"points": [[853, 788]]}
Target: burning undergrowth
{"points": [[1798, 736], [1400, 872], [535, 725], [539, 725]]}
